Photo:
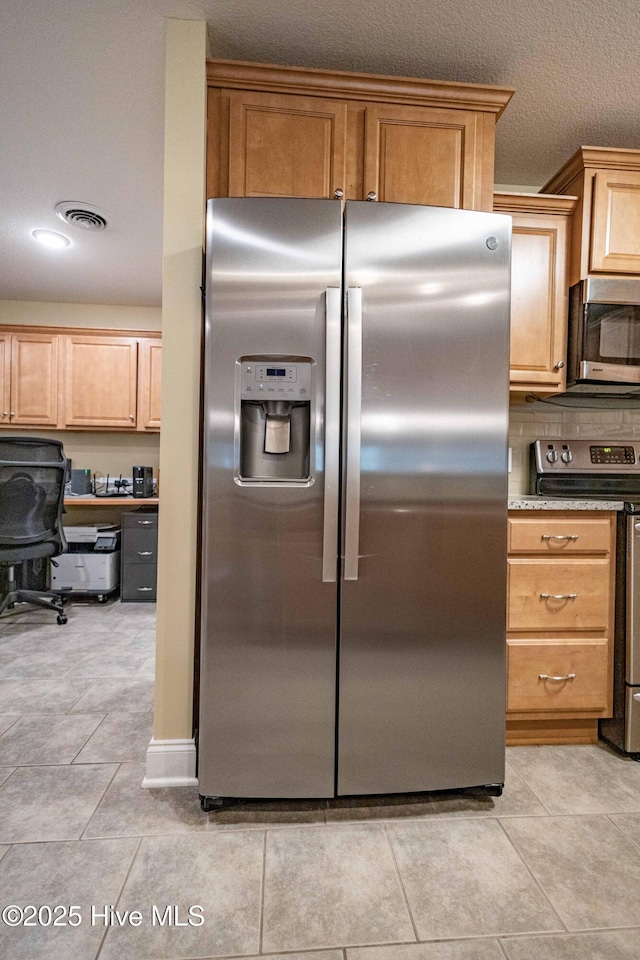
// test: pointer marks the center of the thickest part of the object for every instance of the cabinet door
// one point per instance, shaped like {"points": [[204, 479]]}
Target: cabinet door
{"points": [[538, 302], [5, 378], [149, 382], [425, 155], [615, 237], [285, 146], [100, 382], [34, 380]]}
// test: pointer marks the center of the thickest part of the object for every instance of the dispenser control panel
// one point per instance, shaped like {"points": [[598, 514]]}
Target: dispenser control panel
{"points": [[273, 379]]}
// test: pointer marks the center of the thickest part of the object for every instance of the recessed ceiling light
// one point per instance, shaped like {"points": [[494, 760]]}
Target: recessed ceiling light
{"points": [[51, 239]]}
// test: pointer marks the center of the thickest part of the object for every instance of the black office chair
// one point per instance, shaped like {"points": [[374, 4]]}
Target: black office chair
{"points": [[32, 477]]}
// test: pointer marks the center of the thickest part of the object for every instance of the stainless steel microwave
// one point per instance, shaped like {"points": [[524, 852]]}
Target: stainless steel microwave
{"points": [[604, 331]]}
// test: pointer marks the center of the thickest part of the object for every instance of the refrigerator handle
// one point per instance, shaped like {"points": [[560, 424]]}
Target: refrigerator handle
{"points": [[331, 435], [354, 406]]}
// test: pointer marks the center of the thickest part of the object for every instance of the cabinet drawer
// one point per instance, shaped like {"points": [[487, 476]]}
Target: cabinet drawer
{"points": [[582, 587], [529, 662], [140, 546], [138, 581], [559, 537]]}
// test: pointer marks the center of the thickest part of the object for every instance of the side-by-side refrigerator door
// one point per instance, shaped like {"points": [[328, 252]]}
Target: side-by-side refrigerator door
{"points": [[422, 649], [270, 498]]}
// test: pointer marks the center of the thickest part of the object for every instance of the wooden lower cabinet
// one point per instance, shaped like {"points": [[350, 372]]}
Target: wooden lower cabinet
{"points": [[560, 621]]}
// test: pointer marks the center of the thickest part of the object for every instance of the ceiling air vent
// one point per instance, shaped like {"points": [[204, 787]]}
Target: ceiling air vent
{"points": [[82, 215]]}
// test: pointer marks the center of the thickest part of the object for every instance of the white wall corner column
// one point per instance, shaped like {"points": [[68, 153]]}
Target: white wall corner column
{"points": [[171, 754]]}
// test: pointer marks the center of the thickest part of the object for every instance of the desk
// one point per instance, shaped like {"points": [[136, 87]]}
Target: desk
{"points": [[90, 509], [91, 501]]}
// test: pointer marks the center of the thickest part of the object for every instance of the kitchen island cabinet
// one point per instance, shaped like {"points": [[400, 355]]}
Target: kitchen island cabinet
{"points": [[606, 228], [289, 131], [560, 621], [539, 286]]}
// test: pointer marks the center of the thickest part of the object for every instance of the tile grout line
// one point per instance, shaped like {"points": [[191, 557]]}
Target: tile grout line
{"points": [[502, 948], [117, 900], [619, 829], [91, 683], [532, 875], [539, 799], [262, 892], [400, 881], [102, 796], [76, 755]]}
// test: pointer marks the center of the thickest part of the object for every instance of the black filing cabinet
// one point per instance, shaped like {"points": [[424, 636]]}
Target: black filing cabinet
{"points": [[138, 572]]}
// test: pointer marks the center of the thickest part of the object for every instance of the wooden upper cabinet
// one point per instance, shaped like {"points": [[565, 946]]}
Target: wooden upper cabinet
{"points": [[539, 286], [29, 377], [100, 381], [149, 383], [606, 228], [288, 131], [5, 377], [423, 155], [615, 238], [285, 146]]}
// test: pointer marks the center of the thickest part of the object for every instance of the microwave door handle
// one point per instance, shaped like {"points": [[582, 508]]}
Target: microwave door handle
{"points": [[354, 411], [331, 434]]}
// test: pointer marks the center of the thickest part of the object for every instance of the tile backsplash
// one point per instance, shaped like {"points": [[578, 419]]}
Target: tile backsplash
{"points": [[586, 420]]}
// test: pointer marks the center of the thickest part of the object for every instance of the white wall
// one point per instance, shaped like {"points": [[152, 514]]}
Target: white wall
{"points": [[35, 313]]}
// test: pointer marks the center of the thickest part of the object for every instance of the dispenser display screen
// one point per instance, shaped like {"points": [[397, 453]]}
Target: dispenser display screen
{"points": [[276, 372], [612, 455]]}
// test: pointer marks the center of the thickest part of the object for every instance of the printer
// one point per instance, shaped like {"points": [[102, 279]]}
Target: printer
{"points": [[91, 564]]}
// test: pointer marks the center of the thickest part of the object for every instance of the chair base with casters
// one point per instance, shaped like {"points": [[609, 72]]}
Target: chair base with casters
{"points": [[32, 472], [12, 595]]}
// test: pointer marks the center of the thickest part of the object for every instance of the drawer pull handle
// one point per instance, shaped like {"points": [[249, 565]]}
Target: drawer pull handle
{"points": [[145, 523], [573, 536], [636, 696], [558, 596], [145, 553], [567, 676], [145, 589]]}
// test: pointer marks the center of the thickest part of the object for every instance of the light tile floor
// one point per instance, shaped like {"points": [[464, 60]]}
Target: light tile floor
{"points": [[548, 871]]}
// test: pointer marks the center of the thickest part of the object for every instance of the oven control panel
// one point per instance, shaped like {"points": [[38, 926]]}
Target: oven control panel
{"points": [[585, 456]]}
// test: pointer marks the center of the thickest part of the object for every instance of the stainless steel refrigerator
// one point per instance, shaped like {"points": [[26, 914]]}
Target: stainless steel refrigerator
{"points": [[354, 499]]}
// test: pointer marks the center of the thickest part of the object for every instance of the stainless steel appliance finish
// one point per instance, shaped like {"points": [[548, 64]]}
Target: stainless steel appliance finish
{"points": [[353, 620], [268, 647], [422, 641], [604, 332], [607, 470]]}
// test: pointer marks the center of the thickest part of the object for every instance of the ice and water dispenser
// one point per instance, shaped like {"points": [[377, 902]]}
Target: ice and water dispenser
{"points": [[275, 419]]}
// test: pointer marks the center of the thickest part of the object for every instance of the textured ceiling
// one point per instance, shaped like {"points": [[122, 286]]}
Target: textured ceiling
{"points": [[81, 111]]}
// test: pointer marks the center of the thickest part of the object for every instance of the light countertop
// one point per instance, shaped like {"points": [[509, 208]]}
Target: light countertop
{"points": [[540, 503]]}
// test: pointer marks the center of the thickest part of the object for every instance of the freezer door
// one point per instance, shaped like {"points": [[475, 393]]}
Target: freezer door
{"points": [[422, 649], [268, 639]]}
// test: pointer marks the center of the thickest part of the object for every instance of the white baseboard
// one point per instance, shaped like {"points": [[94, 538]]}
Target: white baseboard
{"points": [[171, 763]]}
